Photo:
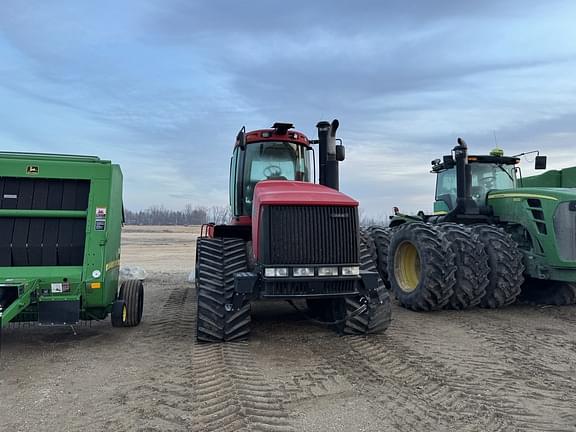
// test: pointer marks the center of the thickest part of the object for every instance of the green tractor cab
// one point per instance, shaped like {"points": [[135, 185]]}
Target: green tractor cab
{"points": [[60, 223], [499, 236]]}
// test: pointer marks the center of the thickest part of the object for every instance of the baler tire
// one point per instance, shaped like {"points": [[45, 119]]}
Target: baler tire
{"points": [[546, 292], [382, 236], [377, 314], [506, 267], [471, 266], [219, 259], [433, 286], [118, 314], [132, 292]]}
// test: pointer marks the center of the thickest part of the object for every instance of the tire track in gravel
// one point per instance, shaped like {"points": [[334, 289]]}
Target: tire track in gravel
{"points": [[542, 371], [231, 394], [191, 386], [414, 392], [503, 361], [160, 399]]}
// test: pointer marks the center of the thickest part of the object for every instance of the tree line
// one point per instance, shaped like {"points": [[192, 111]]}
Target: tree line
{"points": [[190, 215], [198, 215]]}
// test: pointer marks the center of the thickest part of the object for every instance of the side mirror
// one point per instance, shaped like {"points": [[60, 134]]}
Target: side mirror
{"points": [[448, 161], [340, 153], [540, 162]]}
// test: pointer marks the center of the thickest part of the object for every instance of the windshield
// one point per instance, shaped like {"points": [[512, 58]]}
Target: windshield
{"points": [[485, 177], [273, 160]]}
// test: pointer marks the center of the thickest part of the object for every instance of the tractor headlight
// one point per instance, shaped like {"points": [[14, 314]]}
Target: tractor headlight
{"points": [[303, 271], [350, 271], [276, 272], [328, 271]]}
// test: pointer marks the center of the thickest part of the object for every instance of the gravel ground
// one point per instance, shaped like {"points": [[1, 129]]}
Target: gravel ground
{"points": [[512, 369]]}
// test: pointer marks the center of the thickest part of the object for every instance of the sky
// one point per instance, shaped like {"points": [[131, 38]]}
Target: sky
{"points": [[163, 86]]}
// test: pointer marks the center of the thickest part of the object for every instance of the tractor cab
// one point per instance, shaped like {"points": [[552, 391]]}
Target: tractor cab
{"points": [[279, 153], [492, 172]]}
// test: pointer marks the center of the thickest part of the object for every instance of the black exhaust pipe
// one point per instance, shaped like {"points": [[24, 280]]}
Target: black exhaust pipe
{"points": [[328, 163], [463, 174], [466, 208]]}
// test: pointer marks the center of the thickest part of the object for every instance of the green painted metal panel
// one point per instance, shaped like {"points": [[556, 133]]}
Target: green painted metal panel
{"points": [[535, 210], [42, 213], [565, 178], [95, 280]]}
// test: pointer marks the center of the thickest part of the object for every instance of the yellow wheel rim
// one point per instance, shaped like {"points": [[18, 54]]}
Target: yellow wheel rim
{"points": [[124, 313], [407, 266]]}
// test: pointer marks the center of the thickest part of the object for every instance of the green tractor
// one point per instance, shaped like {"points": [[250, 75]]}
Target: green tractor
{"points": [[494, 237], [60, 223]]}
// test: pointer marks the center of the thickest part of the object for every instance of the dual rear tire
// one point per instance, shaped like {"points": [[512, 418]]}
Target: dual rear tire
{"points": [[431, 267]]}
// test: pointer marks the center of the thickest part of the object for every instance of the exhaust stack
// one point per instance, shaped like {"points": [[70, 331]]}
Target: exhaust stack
{"points": [[465, 204], [328, 163]]}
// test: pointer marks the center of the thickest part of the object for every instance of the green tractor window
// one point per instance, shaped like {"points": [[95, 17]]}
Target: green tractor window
{"points": [[485, 177], [489, 176]]}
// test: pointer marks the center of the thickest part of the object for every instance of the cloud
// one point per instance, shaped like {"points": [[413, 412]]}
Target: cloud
{"points": [[163, 86]]}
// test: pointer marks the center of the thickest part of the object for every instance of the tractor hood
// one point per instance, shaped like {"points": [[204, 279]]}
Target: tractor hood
{"points": [[283, 192], [296, 193]]}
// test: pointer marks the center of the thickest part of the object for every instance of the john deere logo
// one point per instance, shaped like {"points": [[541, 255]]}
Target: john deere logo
{"points": [[32, 169]]}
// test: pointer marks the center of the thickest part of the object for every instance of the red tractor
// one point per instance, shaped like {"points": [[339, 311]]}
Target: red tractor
{"points": [[289, 239]]}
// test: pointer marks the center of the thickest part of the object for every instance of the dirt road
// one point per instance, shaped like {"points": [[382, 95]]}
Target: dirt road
{"points": [[505, 370]]}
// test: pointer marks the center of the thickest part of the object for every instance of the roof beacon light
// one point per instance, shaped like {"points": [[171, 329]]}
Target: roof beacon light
{"points": [[498, 152], [281, 128]]}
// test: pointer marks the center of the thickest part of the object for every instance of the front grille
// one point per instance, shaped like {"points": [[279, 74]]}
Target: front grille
{"points": [[309, 235], [565, 229], [310, 289]]}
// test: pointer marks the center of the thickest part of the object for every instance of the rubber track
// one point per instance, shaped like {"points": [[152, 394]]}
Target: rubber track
{"points": [[219, 260], [382, 236], [378, 315], [506, 267], [438, 270], [471, 266]]}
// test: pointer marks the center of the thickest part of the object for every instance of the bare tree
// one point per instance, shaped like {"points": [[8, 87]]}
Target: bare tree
{"points": [[160, 215]]}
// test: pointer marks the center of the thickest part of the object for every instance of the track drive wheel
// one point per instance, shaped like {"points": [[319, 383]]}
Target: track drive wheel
{"points": [[471, 266], [132, 293], [369, 312], [546, 292], [381, 236], [422, 268], [506, 267], [218, 260]]}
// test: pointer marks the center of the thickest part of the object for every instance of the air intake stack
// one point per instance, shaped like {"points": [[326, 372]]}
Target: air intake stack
{"points": [[329, 173]]}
